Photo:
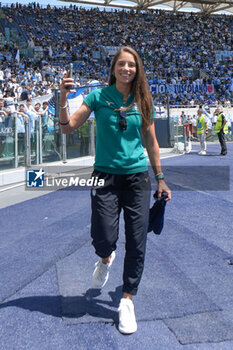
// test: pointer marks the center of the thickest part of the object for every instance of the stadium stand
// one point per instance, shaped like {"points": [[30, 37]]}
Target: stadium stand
{"points": [[172, 46], [184, 69]]}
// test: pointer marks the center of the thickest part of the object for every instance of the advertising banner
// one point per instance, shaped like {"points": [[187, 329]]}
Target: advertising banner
{"points": [[181, 88], [224, 55]]}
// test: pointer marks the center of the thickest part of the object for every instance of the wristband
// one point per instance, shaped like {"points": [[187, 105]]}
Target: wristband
{"points": [[66, 123], [63, 107], [159, 176]]}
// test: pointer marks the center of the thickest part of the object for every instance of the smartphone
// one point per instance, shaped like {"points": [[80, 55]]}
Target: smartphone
{"points": [[70, 69]]}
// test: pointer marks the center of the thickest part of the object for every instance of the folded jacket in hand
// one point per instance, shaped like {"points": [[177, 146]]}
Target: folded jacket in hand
{"points": [[156, 216]]}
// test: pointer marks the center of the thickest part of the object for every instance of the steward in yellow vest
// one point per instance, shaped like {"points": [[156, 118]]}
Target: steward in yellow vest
{"points": [[221, 129], [202, 129], [221, 124], [201, 124]]}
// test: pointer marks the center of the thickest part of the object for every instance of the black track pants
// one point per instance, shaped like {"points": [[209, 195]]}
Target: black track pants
{"points": [[221, 138], [132, 194]]}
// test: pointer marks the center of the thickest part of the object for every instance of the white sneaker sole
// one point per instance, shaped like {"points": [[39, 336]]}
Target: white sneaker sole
{"points": [[129, 330]]}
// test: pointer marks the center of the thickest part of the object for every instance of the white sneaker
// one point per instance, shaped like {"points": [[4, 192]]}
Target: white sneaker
{"points": [[101, 272], [127, 319], [203, 153]]}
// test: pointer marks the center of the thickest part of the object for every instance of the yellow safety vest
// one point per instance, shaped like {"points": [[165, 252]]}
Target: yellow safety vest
{"points": [[219, 125], [201, 124]]}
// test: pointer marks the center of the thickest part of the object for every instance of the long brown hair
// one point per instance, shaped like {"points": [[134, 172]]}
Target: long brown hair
{"points": [[140, 87]]}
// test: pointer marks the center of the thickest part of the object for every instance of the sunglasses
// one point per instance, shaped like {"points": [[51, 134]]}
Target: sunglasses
{"points": [[123, 121]]}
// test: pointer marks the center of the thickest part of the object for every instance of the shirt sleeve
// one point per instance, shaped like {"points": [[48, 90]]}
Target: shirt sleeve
{"points": [[90, 100]]}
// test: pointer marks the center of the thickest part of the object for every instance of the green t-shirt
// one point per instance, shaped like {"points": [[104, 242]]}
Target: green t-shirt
{"points": [[117, 151]]}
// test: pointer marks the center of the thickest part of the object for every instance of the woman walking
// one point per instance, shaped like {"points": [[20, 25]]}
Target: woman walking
{"points": [[124, 114]]}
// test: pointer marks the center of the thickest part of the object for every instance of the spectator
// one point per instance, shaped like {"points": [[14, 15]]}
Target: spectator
{"points": [[22, 118], [168, 51], [4, 113], [202, 130]]}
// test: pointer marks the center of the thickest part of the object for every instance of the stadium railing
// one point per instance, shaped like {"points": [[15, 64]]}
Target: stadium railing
{"points": [[38, 141], [31, 142]]}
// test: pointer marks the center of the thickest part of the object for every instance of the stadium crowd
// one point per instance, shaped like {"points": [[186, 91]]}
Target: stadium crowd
{"points": [[172, 47]]}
